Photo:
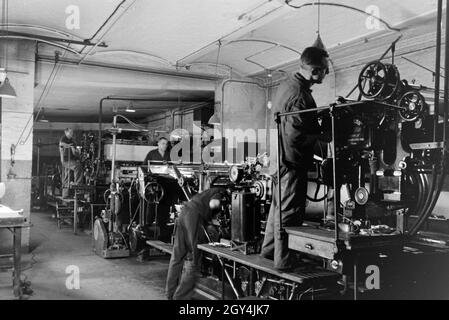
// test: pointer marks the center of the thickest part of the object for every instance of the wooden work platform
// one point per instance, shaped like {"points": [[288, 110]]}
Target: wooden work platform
{"points": [[352, 241], [157, 244], [300, 275], [257, 262]]}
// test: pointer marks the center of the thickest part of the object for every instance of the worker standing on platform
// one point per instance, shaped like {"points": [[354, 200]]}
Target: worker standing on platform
{"points": [[69, 161], [189, 231], [299, 133]]}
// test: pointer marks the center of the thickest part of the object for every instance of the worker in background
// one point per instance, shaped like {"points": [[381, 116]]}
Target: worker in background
{"points": [[70, 161], [161, 211], [194, 218], [299, 133], [160, 154]]}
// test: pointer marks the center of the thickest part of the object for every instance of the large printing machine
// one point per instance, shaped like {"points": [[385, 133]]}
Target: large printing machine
{"points": [[141, 195], [383, 175]]}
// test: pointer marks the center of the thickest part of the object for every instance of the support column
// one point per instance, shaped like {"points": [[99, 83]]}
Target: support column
{"points": [[15, 117]]}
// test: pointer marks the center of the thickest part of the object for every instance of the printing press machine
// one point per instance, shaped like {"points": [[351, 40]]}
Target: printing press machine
{"points": [[382, 175], [391, 161]]}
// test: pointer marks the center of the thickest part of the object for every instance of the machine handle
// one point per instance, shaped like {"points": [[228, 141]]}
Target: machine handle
{"points": [[308, 246]]}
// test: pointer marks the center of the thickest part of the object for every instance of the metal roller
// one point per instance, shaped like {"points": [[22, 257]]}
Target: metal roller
{"points": [[236, 174], [259, 189]]}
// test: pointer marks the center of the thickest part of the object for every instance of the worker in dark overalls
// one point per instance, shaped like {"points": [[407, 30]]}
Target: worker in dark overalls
{"points": [[195, 216], [299, 133]]}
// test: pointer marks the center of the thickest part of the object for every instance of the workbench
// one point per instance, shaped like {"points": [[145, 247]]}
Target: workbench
{"points": [[15, 225]]}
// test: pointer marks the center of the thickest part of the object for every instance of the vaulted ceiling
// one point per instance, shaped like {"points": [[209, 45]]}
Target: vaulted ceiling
{"points": [[172, 49]]}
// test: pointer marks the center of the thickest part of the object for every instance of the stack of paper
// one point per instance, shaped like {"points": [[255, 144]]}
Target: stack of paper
{"points": [[9, 216]]}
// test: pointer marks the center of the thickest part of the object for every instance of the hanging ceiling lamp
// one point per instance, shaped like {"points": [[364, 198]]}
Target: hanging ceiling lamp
{"points": [[319, 42], [43, 118], [130, 108], [215, 119], [6, 90]]}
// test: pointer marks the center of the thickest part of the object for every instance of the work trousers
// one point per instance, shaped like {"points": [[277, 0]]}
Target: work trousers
{"points": [[293, 203], [183, 270], [77, 169]]}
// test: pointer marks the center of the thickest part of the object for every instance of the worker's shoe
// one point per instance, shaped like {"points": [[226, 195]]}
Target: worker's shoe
{"points": [[266, 256], [292, 262], [329, 224]]}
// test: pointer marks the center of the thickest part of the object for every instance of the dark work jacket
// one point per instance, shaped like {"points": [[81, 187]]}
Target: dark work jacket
{"points": [[154, 155], [199, 204], [299, 132], [67, 152], [196, 213]]}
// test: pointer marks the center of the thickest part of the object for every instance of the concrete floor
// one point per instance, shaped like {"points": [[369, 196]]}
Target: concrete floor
{"points": [[53, 250]]}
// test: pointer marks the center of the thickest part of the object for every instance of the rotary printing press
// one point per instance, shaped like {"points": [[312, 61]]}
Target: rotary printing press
{"points": [[137, 196], [389, 168], [240, 222], [386, 169]]}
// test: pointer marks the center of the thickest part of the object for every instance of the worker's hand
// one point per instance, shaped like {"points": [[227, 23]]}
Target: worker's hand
{"points": [[213, 233]]}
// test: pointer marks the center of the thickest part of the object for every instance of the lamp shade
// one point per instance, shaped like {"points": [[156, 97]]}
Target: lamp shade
{"points": [[319, 43], [6, 90], [43, 119], [214, 120], [130, 109]]}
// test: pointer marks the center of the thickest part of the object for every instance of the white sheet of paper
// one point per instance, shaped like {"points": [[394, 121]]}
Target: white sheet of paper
{"points": [[7, 212]]}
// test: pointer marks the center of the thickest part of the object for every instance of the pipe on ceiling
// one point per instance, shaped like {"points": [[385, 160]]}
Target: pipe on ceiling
{"points": [[189, 75], [54, 44], [103, 24], [342, 6], [45, 28], [227, 35], [110, 27], [50, 39]]}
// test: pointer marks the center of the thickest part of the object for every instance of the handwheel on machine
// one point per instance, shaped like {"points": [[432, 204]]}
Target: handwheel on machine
{"points": [[379, 81], [318, 180], [155, 191], [413, 105]]}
